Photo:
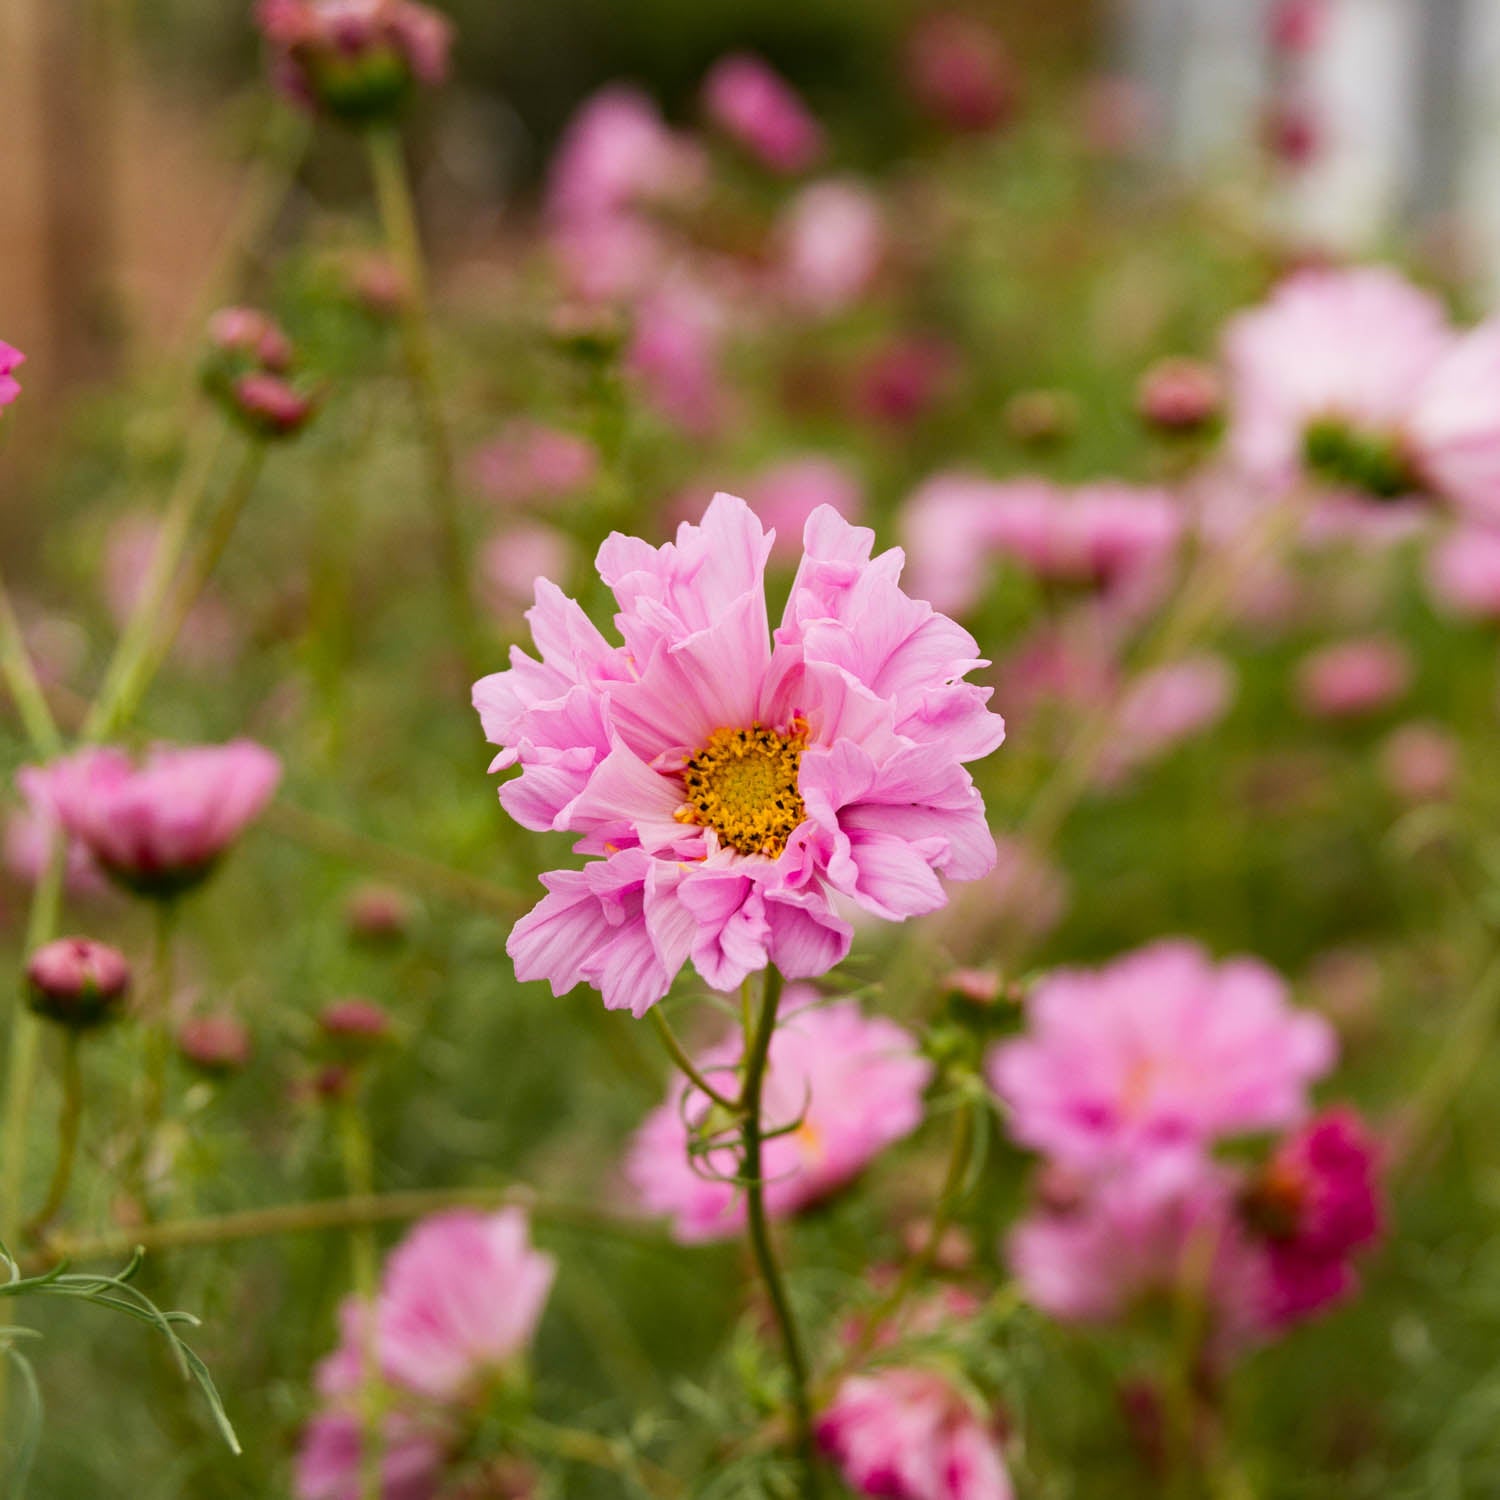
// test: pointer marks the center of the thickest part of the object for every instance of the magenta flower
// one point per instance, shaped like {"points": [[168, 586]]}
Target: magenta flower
{"points": [[1161, 1050], [159, 828], [830, 244], [755, 107], [910, 1434], [728, 784], [29, 832], [1463, 572], [960, 73], [1354, 678], [674, 354], [850, 1084], [11, 360], [1316, 1203], [329, 1460]]}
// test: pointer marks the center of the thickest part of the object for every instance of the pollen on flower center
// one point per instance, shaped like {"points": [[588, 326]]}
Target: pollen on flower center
{"points": [[743, 785]]}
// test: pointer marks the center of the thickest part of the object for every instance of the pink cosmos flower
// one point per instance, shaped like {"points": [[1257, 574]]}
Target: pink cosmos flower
{"points": [[512, 560], [329, 1460], [910, 1434], [1463, 572], [729, 784], [949, 529], [1354, 678], [851, 1085], [460, 1301], [756, 107], [1419, 762], [160, 827], [1455, 424], [830, 243], [11, 360], [530, 462], [959, 72], [1168, 705], [1317, 1203], [674, 355], [29, 832], [1159, 1051], [1323, 374], [786, 494]]}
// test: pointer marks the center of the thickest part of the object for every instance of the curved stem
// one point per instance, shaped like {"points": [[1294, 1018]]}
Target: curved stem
{"points": [[69, 1117], [399, 221], [20, 677], [154, 1022], [678, 1054], [757, 1052]]}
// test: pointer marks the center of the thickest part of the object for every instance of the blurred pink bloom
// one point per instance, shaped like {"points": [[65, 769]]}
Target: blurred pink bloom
{"points": [[949, 528], [729, 783], [1062, 665], [1168, 705], [909, 1434], [512, 561], [786, 494], [77, 982], [273, 407], [460, 1301], [1354, 678], [1419, 762], [1338, 354], [11, 360], [1292, 131], [217, 1043], [1455, 424], [329, 1459], [1316, 1203], [252, 333], [674, 355], [755, 106], [906, 378], [1024, 891], [1159, 1051], [161, 826], [1296, 25], [1463, 572], [960, 73], [531, 462], [830, 244], [29, 832], [851, 1085], [1117, 115], [1180, 395]]}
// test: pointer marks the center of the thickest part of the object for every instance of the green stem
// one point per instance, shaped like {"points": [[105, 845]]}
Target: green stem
{"points": [[757, 1053], [155, 1023], [579, 1446], [399, 221], [678, 1054], [69, 1117], [111, 706], [20, 676], [359, 1174]]}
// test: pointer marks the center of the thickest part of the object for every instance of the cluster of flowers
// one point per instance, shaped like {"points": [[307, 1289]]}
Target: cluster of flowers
{"points": [[445, 1337], [1127, 1080], [248, 371]]}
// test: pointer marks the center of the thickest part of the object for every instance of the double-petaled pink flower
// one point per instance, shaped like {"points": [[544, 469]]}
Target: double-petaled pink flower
{"points": [[840, 1087], [159, 827], [730, 785]]}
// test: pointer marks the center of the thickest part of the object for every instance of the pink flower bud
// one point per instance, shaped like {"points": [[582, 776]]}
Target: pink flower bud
{"points": [[219, 1043], [355, 1022], [77, 982], [1180, 395], [272, 407], [377, 914], [252, 333]]}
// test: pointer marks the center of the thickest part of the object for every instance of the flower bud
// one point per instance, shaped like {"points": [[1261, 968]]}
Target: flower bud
{"points": [[271, 407], [379, 915], [1041, 419], [354, 1023], [216, 1044], [252, 335], [1180, 396], [77, 982]]}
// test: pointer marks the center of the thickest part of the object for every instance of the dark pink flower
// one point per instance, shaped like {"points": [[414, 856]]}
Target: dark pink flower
{"points": [[11, 360], [830, 243], [756, 107], [77, 982], [1355, 678], [960, 73]]}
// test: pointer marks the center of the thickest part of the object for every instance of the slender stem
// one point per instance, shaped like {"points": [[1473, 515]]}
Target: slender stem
{"points": [[758, 1047], [164, 626], [155, 1018], [69, 1117], [399, 221], [20, 677], [359, 1174], [325, 1214], [109, 709], [678, 1054]]}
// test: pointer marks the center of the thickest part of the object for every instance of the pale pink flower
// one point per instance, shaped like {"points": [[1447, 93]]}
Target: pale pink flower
{"points": [[850, 1084], [1355, 678], [730, 784], [908, 1433], [1419, 762], [530, 462], [11, 360], [674, 355], [329, 1459], [959, 72], [512, 560], [1332, 361], [1168, 705], [1454, 426], [30, 830], [830, 242], [161, 826], [756, 107], [950, 527], [460, 1301], [1159, 1051], [786, 494], [1463, 572]]}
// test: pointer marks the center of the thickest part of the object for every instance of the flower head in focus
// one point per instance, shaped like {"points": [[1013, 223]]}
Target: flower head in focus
{"points": [[840, 1088], [728, 784]]}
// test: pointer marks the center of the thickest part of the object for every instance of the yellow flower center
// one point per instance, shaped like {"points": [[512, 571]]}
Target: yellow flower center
{"points": [[743, 785]]}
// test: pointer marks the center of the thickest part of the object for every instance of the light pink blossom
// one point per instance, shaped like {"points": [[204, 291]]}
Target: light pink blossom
{"points": [[30, 830], [513, 559], [830, 242], [1160, 1051], [755, 106], [1463, 572], [674, 354], [908, 1433], [530, 462], [161, 826], [11, 360], [787, 493], [1354, 678], [1167, 705], [1419, 762], [849, 1084], [726, 783], [1454, 426], [328, 1463]]}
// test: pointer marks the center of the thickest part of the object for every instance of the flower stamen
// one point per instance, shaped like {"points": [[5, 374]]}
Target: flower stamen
{"points": [[743, 785]]}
